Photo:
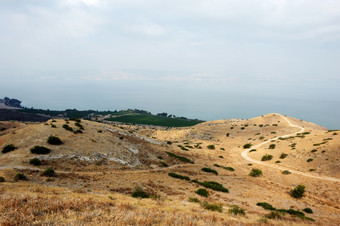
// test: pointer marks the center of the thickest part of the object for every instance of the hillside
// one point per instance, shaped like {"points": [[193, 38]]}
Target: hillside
{"points": [[98, 169]]}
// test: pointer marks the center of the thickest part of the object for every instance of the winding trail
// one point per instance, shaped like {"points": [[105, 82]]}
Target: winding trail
{"points": [[244, 154]]}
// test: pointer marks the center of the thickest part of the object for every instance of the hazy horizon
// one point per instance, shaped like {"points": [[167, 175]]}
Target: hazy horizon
{"points": [[199, 59]]}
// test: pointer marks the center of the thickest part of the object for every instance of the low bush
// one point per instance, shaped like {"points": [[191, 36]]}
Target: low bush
{"points": [[20, 176], [307, 210], [78, 131], [255, 172], [247, 146], [274, 215], [227, 134], [236, 210], [272, 146], [2, 179], [252, 150], [163, 164], [202, 192], [8, 148], [100, 131], [265, 206], [181, 158], [212, 206], [138, 192], [193, 200], [67, 127], [286, 172], [54, 140], [309, 160], [314, 150], [209, 170], [40, 150], [266, 157], [298, 191], [211, 147], [35, 162], [214, 186], [178, 176], [278, 161], [49, 172], [283, 155], [79, 125]]}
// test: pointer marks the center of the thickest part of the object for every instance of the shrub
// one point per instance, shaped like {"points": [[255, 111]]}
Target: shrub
{"points": [[221, 157], [53, 126], [278, 161], [228, 168], [209, 170], [211, 147], [202, 192], [314, 150], [298, 191], [247, 146], [163, 164], [312, 170], [266, 157], [252, 150], [236, 210], [175, 175], [265, 206], [2, 179], [49, 172], [100, 131], [309, 160], [138, 192], [212, 206], [40, 150], [272, 146], [307, 210], [255, 172], [78, 131], [283, 155], [79, 125], [181, 158], [20, 176], [193, 200], [274, 215], [286, 172], [67, 127], [54, 140], [35, 162], [169, 142], [261, 137], [227, 134], [214, 186], [8, 148]]}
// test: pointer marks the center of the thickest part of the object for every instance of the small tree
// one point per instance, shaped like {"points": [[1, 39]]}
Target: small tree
{"points": [[54, 140], [298, 191], [8, 148], [255, 172]]}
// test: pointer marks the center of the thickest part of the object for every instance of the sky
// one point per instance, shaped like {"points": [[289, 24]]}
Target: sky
{"points": [[207, 59]]}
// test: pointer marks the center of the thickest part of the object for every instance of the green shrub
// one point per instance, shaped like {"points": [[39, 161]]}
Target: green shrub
{"points": [[272, 146], [67, 127], [261, 137], [74, 119], [100, 131], [220, 156], [35, 162], [312, 170], [163, 164], [79, 125], [209, 170], [40, 150], [2, 179], [202, 192], [307, 210], [252, 150], [314, 150], [228, 168], [265, 206], [8, 148], [255, 172], [247, 146], [309, 160], [274, 215], [181, 158], [175, 175], [214, 186], [278, 161], [286, 172], [212, 206], [211, 147], [236, 210], [20, 176], [193, 200], [53, 126], [138, 192], [298, 191], [283, 155], [49, 172], [266, 157], [54, 140], [227, 134]]}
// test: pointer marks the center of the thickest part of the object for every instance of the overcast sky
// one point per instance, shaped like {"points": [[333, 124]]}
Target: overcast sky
{"points": [[216, 42]]}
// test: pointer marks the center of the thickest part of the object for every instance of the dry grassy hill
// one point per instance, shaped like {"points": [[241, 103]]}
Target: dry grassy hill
{"points": [[98, 169]]}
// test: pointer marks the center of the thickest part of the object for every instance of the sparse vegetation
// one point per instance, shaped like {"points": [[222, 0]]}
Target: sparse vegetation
{"points": [[211, 147], [49, 172], [283, 155], [247, 146], [181, 158], [314, 150], [178, 176], [138, 192], [196, 200], [272, 146], [255, 172], [265, 206], [214, 186], [286, 172], [54, 140], [298, 191], [266, 157], [35, 162], [310, 159], [67, 127], [40, 150], [278, 161], [8, 148], [209, 170], [20, 176], [212, 206], [236, 210], [163, 164], [274, 215], [202, 192], [308, 210]]}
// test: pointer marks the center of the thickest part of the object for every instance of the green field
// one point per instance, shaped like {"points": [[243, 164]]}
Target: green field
{"points": [[148, 119]]}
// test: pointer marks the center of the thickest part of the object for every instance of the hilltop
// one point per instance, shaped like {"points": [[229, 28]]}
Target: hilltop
{"points": [[99, 165]]}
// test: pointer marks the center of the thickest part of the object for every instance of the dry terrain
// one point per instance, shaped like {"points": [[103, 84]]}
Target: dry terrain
{"points": [[99, 168]]}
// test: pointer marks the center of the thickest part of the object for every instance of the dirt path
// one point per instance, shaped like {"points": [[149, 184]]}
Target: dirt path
{"points": [[245, 155]]}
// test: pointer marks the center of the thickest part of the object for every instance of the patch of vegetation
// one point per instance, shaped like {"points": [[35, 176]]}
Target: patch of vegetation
{"points": [[67, 127], [202, 192], [214, 186], [274, 215], [312, 170], [272, 146], [242, 128], [8, 148], [247, 146], [283, 155], [278, 161], [78, 131], [138, 192], [252, 150], [309, 160], [225, 167], [222, 149], [255, 172], [266, 157], [181, 158], [178, 176], [183, 148], [54, 140], [196, 200], [227, 134], [220, 156], [261, 137], [307, 210], [20, 176], [236, 210], [318, 144], [80, 126], [35, 162], [49, 172], [211, 147], [209, 170], [265, 206], [298, 191], [212, 206], [286, 172], [40, 150], [2, 179], [163, 164], [314, 150], [53, 126]]}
